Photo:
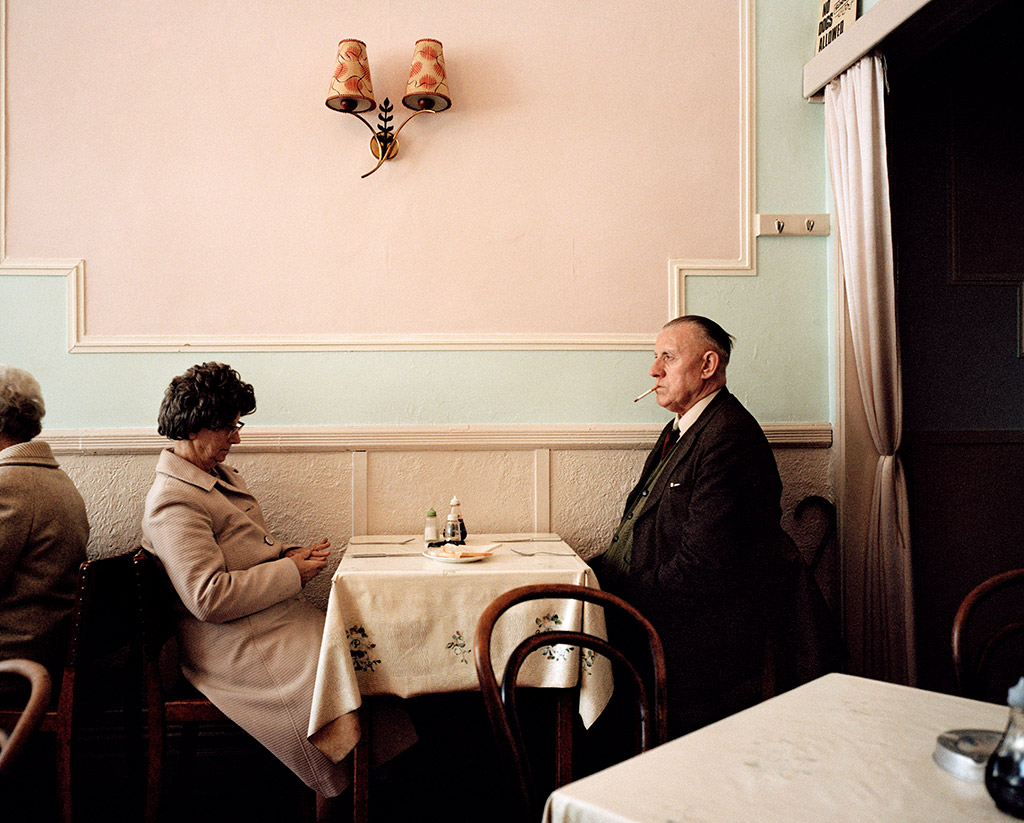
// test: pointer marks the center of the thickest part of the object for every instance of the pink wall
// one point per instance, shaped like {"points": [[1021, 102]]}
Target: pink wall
{"points": [[185, 152]]}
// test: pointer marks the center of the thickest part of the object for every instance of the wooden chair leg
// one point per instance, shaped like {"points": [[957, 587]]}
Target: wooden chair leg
{"points": [[323, 809], [64, 781], [65, 725], [563, 737], [361, 770], [156, 750], [189, 747]]}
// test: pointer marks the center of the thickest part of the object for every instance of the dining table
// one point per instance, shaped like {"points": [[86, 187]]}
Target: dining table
{"points": [[400, 622], [840, 748]]}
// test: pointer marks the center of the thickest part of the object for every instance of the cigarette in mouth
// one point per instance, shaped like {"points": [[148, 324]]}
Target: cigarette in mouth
{"points": [[642, 396]]}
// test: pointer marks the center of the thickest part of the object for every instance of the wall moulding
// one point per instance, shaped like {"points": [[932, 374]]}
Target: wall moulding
{"points": [[745, 264], [79, 341], [418, 438]]}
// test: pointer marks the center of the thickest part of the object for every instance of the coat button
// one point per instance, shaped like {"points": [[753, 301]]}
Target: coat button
{"points": [[644, 493], [615, 539], [268, 540]]}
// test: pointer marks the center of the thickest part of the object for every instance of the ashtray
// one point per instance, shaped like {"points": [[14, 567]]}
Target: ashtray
{"points": [[965, 752]]}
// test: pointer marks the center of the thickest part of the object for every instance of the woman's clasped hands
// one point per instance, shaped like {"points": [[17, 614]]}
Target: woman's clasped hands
{"points": [[310, 560]]}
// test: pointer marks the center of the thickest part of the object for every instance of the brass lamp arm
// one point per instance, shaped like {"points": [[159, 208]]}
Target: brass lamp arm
{"points": [[411, 116], [365, 121], [384, 150]]}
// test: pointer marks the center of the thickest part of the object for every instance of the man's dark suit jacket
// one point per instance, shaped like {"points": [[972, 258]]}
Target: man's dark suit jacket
{"points": [[709, 558]]}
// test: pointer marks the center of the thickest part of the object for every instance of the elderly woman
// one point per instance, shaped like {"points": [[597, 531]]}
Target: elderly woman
{"points": [[248, 640], [43, 531]]}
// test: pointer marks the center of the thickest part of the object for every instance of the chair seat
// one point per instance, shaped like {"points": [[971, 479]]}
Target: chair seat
{"points": [[184, 703]]}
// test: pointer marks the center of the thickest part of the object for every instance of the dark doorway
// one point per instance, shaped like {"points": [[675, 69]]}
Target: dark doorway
{"points": [[956, 170]]}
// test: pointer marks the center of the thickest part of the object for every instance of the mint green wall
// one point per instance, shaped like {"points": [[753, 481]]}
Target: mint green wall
{"points": [[781, 318]]}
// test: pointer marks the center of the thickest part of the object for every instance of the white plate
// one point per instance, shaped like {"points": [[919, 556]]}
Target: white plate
{"points": [[445, 559]]}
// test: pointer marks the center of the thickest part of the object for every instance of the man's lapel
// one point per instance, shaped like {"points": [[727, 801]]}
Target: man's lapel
{"points": [[653, 458], [682, 450]]}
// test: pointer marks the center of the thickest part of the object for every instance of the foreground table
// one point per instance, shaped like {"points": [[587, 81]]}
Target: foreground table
{"points": [[840, 748], [402, 624]]}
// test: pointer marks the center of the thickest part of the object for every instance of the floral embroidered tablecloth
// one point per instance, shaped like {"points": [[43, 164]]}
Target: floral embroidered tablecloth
{"points": [[399, 623]]}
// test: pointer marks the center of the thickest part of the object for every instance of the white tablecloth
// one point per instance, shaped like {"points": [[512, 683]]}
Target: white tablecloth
{"points": [[841, 748], [402, 624]]}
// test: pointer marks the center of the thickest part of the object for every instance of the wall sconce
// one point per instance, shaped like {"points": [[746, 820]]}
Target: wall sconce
{"points": [[351, 91]]}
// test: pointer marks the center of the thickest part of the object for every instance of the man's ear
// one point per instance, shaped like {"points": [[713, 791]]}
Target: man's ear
{"points": [[709, 365]]}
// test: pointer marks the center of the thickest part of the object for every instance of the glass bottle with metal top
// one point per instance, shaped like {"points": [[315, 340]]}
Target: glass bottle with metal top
{"points": [[1004, 774], [452, 532], [457, 511]]}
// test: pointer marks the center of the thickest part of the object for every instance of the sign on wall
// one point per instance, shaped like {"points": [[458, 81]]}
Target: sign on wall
{"points": [[836, 17]]}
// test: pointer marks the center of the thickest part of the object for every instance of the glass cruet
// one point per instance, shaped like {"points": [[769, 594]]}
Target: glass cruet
{"points": [[1004, 773]]}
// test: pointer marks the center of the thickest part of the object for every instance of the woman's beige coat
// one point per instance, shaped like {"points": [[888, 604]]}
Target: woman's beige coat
{"points": [[249, 641], [43, 533]]}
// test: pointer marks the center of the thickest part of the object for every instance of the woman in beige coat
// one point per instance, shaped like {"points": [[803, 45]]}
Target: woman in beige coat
{"points": [[43, 532], [248, 640]]}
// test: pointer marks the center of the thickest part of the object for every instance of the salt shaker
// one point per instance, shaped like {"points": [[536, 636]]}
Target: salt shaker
{"points": [[1004, 774], [430, 533]]}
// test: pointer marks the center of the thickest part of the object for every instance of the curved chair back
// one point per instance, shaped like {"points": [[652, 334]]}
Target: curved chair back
{"points": [[38, 678], [642, 668], [980, 638], [98, 706]]}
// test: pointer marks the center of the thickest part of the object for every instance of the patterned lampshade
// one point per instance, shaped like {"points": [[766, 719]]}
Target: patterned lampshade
{"points": [[428, 83], [351, 89]]}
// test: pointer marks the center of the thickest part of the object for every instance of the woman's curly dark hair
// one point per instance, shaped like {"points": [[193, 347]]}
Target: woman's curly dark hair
{"points": [[209, 396]]}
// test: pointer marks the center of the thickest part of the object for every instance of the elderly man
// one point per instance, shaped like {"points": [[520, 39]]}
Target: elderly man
{"points": [[700, 549]]}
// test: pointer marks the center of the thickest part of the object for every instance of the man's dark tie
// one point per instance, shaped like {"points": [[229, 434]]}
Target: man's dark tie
{"points": [[670, 441]]}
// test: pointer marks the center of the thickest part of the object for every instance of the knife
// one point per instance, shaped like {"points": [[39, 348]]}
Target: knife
{"points": [[380, 554], [357, 542], [533, 540]]}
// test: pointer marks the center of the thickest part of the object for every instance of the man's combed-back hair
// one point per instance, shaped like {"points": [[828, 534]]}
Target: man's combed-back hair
{"points": [[209, 396], [714, 336]]}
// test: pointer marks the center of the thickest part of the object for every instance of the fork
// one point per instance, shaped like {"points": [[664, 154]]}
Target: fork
{"points": [[542, 551]]}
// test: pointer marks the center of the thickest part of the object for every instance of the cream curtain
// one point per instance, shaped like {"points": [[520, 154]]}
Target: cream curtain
{"points": [[855, 136]]}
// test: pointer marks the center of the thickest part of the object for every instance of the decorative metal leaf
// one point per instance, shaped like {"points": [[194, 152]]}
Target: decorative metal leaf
{"points": [[385, 117]]}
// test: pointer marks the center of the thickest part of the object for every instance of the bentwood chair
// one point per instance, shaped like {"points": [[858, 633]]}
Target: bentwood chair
{"points": [[173, 703], [988, 637], [98, 715], [13, 742], [639, 670]]}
